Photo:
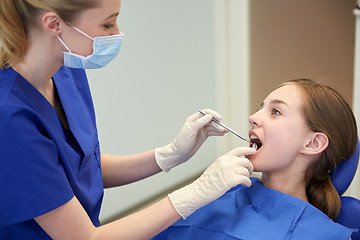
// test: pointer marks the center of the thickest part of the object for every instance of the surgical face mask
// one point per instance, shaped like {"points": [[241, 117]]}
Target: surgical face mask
{"points": [[105, 49]]}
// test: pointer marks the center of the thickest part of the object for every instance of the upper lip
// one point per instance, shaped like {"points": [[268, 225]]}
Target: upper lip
{"points": [[252, 133]]}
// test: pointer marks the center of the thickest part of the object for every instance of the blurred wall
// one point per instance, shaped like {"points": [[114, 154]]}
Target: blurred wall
{"points": [[297, 39], [164, 73]]}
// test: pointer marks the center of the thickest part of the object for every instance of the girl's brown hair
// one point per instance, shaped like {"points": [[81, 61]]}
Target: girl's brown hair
{"points": [[17, 16], [326, 111]]}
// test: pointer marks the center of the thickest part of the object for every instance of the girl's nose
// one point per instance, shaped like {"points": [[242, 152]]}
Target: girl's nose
{"points": [[254, 119]]}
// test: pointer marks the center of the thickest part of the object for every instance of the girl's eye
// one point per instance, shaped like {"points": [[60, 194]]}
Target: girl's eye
{"points": [[275, 112]]}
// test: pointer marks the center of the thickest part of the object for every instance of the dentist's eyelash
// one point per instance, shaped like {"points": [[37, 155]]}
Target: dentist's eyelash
{"points": [[108, 26]]}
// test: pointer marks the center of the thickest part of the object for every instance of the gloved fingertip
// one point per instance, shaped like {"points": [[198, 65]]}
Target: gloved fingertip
{"points": [[242, 151], [248, 184], [251, 151]]}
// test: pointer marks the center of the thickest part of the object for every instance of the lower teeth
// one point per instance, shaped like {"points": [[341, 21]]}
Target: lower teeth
{"points": [[254, 145]]}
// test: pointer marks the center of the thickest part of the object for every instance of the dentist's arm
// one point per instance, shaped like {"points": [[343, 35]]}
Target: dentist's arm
{"points": [[70, 220], [120, 170]]}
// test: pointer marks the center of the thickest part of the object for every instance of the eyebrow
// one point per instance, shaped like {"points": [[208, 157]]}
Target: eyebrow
{"points": [[276, 101], [112, 15]]}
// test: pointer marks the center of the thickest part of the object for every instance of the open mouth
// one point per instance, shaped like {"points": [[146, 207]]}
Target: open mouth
{"points": [[255, 142]]}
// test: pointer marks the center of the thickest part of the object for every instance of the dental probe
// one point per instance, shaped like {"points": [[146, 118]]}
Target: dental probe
{"points": [[226, 127]]}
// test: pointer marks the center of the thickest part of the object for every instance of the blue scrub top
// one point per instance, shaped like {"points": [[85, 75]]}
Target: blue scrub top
{"points": [[42, 164], [256, 213]]}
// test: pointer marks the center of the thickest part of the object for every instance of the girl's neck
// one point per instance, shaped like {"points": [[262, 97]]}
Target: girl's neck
{"points": [[291, 185]]}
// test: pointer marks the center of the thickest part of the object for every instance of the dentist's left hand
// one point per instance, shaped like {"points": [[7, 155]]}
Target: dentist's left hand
{"points": [[196, 130]]}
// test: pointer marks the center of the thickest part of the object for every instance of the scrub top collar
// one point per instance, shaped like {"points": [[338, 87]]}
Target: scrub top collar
{"points": [[77, 115]]}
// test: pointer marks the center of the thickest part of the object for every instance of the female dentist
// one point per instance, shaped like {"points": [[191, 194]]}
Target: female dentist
{"points": [[52, 174]]}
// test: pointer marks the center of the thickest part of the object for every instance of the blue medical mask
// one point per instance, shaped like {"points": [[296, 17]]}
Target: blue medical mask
{"points": [[105, 49]]}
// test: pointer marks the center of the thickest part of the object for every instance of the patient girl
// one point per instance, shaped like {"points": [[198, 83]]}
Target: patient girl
{"points": [[303, 130]]}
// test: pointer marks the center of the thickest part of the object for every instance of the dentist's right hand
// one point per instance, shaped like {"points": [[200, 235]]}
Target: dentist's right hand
{"points": [[225, 173]]}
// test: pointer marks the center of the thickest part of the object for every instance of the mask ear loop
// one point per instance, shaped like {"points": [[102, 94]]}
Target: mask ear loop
{"points": [[62, 42], [79, 32], [83, 33]]}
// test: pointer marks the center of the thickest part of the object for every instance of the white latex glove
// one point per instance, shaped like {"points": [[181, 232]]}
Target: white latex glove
{"points": [[225, 173], [192, 135]]}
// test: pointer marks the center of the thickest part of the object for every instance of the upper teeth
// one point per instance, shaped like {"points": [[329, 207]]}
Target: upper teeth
{"points": [[253, 144], [253, 137]]}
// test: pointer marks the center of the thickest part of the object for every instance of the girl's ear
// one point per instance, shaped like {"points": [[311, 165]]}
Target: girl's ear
{"points": [[51, 23], [317, 144]]}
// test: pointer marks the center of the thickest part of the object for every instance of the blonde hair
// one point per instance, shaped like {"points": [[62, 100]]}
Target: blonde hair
{"points": [[326, 111], [17, 16]]}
